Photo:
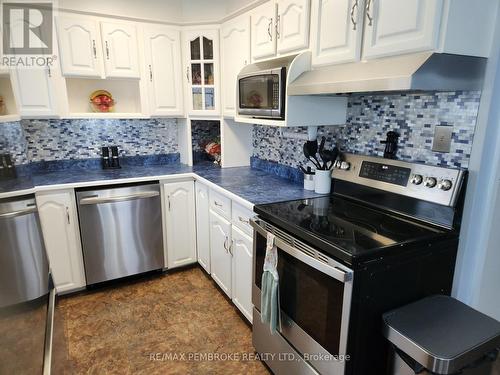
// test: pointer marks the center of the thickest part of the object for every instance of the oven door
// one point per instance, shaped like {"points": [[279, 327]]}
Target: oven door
{"points": [[261, 94], [315, 298]]}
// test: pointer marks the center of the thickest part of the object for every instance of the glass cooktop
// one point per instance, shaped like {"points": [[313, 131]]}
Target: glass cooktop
{"points": [[334, 223]]}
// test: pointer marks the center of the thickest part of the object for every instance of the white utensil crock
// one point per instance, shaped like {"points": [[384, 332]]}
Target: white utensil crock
{"points": [[323, 182]]}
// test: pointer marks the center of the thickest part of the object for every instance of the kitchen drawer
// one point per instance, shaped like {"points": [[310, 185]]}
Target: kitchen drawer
{"points": [[220, 204], [241, 218]]}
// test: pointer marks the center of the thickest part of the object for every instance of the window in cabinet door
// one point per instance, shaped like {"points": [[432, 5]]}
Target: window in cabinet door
{"points": [[202, 73]]}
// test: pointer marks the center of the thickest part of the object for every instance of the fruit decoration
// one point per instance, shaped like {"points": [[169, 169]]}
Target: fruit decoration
{"points": [[102, 101], [213, 149]]}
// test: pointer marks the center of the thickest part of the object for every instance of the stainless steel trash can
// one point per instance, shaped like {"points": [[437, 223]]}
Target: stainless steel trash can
{"points": [[440, 335]]}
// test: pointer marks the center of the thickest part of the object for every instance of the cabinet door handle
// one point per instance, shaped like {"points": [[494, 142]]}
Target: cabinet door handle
{"points": [[269, 29], [67, 215], [94, 48], [368, 10], [231, 247], [243, 220], [187, 73], [353, 9], [217, 204], [150, 74], [278, 26], [168, 200], [225, 244], [49, 72], [107, 49]]}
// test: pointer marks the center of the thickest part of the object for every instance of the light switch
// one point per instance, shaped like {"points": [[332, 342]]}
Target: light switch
{"points": [[442, 138]]}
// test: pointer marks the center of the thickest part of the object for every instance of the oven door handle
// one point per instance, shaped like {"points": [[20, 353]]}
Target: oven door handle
{"points": [[283, 242]]}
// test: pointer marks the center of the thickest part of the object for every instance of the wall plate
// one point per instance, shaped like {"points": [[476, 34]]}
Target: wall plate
{"points": [[442, 138]]}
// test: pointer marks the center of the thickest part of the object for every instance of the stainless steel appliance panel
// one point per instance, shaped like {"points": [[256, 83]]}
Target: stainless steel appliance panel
{"points": [[121, 230], [24, 267], [315, 299], [24, 288]]}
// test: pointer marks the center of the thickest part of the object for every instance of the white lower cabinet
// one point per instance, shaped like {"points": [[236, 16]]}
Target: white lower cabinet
{"points": [[220, 257], [180, 223], [242, 250], [59, 222], [203, 225]]}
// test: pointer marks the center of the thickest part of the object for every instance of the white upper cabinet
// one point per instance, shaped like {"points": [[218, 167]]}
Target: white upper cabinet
{"points": [[292, 25], [89, 52], [397, 27], [80, 47], [336, 30], [35, 92], [279, 28], [180, 223], [201, 49], [120, 50], [264, 31], [235, 54], [163, 67]]}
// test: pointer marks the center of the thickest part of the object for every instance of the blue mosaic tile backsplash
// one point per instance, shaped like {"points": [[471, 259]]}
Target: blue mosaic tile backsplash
{"points": [[413, 115], [48, 140]]}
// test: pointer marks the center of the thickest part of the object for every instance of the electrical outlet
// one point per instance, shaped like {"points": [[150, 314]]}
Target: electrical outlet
{"points": [[442, 138]]}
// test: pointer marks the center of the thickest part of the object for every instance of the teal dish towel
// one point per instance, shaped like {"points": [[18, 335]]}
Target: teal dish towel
{"points": [[270, 299]]}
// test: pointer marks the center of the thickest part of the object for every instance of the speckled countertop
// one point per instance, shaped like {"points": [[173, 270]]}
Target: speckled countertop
{"points": [[252, 185]]}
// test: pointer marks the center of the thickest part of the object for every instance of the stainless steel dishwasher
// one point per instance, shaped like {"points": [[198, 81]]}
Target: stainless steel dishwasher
{"points": [[121, 229], [27, 295]]}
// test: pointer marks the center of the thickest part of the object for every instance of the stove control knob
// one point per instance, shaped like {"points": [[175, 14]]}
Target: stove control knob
{"points": [[417, 179], [430, 182], [445, 185], [345, 165]]}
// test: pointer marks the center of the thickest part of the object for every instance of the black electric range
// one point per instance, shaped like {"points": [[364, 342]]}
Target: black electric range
{"points": [[386, 236], [369, 217]]}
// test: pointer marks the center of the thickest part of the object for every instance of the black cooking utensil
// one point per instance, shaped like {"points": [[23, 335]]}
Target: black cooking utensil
{"points": [[307, 154], [335, 153], [320, 150], [313, 150], [303, 169]]}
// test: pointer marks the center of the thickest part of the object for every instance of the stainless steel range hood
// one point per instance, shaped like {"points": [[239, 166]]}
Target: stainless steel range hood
{"points": [[414, 72]]}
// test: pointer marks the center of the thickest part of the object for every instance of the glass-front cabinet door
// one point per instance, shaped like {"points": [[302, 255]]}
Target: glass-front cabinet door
{"points": [[202, 71]]}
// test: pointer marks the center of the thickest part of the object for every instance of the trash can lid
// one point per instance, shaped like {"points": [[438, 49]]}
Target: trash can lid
{"points": [[442, 334]]}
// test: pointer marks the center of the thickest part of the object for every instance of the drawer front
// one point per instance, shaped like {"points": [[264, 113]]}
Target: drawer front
{"points": [[241, 218], [220, 204]]}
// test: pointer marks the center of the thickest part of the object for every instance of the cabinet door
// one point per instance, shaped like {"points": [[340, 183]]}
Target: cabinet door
{"points": [[242, 250], [203, 225], [292, 25], [398, 27], [264, 31], [220, 257], [163, 59], [336, 29], [59, 221], [180, 223], [235, 54], [35, 92], [201, 47], [120, 50], [79, 47]]}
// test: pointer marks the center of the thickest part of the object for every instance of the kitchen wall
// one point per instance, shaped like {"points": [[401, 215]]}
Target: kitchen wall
{"points": [[47, 140], [413, 115]]}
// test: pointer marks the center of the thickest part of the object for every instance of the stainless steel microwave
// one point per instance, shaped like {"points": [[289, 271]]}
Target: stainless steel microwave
{"points": [[261, 94]]}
